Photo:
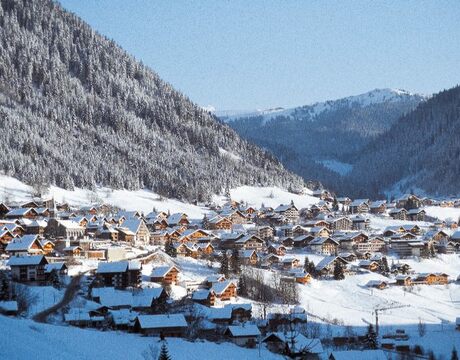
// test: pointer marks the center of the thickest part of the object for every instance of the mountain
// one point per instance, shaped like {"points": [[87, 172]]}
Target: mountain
{"points": [[320, 141], [420, 151], [77, 110]]}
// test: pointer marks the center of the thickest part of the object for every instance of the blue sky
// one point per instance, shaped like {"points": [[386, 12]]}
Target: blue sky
{"points": [[243, 55]]}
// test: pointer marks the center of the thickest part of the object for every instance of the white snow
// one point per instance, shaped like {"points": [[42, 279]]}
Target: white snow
{"points": [[229, 154], [443, 213], [269, 196]]}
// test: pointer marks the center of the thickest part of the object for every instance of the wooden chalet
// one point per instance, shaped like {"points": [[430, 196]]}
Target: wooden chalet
{"points": [[431, 279], [324, 245], [169, 325], [205, 297], [360, 206], [28, 268], [243, 335], [25, 245], [224, 290], [120, 274], [18, 213], [166, 275]]}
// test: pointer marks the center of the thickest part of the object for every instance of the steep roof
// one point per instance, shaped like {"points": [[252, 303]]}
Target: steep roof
{"points": [[117, 266], [243, 331]]}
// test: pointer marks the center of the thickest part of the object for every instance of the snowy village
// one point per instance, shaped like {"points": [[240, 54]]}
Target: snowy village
{"points": [[329, 278]]}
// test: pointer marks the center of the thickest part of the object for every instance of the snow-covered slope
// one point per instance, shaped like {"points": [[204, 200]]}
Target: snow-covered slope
{"points": [[376, 96], [24, 339], [14, 190]]}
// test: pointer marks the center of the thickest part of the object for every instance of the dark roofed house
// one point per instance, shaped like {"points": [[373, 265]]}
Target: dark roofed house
{"points": [[120, 274], [28, 268], [170, 325]]}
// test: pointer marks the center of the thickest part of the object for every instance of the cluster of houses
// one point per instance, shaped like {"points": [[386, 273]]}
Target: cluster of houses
{"points": [[40, 238]]}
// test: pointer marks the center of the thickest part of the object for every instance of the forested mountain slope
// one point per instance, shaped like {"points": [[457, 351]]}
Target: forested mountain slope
{"points": [[309, 139], [77, 110], [421, 150]]}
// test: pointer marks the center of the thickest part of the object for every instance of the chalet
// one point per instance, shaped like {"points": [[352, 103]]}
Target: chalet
{"points": [[436, 235], [219, 223], [358, 355], [321, 194], [281, 342], [211, 279], [59, 267], [378, 207], [34, 226], [398, 214], [326, 266], [47, 246], [194, 235], [107, 232], [406, 247], [28, 268], [224, 290], [4, 209], [408, 201], [346, 201], [249, 257], [447, 247], [369, 265], [235, 216], [167, 275], [68, 229], [324, 245], [302, 241], [205, 249], [149, 299], [300, 276], [204, 297], [138, 228], [290, 263], [360, 222], [5, 237], [416, 214], [13, 227], [83, 318], [377, 284], [27, 244], [250, 242], [359, 206], [73, 251], [170, 325], [403, 280], [431, 279], [265, 232], [298, 230], [287, 241], [290, 212], [120, 274], [243, 335], [373, 245], [28, 213], [319, 231], [341, 223], [178, 219], [277, 249], [269, 260]]}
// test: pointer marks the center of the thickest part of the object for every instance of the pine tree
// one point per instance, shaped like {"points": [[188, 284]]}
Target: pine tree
{"points": [[164, 353], [242, 287], [55, 280], [338, 271], [236, 262], [306, 264], [371, 337], [170, 249], [454, 355], [224, 267], [4, 286]]}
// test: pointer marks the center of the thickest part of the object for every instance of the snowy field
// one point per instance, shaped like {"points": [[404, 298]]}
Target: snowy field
{"points": [[145, 200], [25, 339]]}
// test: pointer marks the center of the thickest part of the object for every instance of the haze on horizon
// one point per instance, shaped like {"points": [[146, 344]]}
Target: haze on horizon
{"points": [[285, 53]]}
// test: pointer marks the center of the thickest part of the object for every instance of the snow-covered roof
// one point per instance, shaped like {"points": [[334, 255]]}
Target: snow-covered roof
{"points": [[201, 294], [313, 346], [220, 287], [117, 266], [11, 305], [162, 271], [132, 225], [26, 260], [54, 266], [243, 331], [22, 243], [358, 355], [162, 321]]}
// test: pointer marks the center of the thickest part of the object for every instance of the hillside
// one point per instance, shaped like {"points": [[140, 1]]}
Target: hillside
{"points": [[318, 141], [78, 111], [420, 151]]}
